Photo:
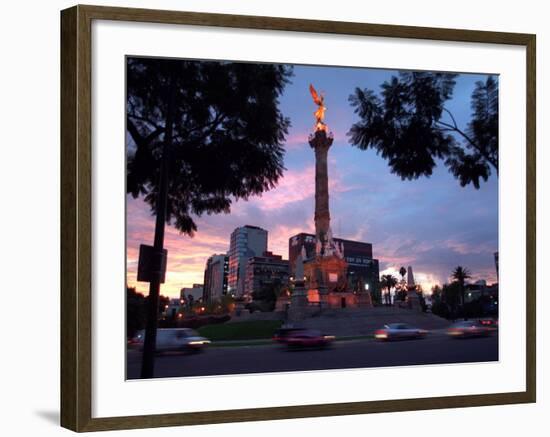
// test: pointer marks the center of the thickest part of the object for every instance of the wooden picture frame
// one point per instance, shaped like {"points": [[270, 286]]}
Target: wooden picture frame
{"points": [[76, 217]]}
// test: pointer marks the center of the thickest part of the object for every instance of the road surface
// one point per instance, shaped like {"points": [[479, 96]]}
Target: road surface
{"points": [[435, 349]]}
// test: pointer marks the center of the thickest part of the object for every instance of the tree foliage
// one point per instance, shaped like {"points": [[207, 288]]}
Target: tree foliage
{"points": [[135, 312], [267, 293], [451, 294], [388, 282], [460, 274], [227, 133], [409, 125]]}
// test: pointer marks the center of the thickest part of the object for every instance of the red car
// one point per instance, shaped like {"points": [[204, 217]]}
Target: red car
{"points": [[491, 323], [308, 338], [282, 334], [468, 328]]}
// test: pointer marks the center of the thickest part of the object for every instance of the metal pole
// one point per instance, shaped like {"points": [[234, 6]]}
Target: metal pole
{"points": [[149, 344]]}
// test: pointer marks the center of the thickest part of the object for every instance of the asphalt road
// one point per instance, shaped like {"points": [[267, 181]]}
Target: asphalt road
{"points": [[435, 349]]}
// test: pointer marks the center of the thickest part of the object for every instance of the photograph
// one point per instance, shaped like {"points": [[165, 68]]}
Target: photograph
{"points": [[275, 218], [292, 218]]}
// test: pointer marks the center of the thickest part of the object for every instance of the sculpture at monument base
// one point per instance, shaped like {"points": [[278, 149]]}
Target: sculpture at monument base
{"points": [[298, 304], [325, 275]]}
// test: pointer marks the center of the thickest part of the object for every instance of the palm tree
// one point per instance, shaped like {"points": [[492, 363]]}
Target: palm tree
{"points": [[460, 274], [403, 286], [388, 282]]}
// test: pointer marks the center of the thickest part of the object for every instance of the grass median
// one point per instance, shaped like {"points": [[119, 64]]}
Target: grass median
{"points": [[246, 330]]}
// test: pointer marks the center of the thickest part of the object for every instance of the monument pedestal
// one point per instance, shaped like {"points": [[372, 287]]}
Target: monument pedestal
{"points": [[282, 303], [364, 300], [239, 309], [413, 300], [298, 303], [326, 274]]}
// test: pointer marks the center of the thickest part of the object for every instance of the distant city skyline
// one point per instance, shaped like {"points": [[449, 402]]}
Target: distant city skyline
{"points": [[431, 223]]}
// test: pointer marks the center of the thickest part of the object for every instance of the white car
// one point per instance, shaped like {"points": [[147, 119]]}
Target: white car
{"points": [[399, 331], [174, 339]]}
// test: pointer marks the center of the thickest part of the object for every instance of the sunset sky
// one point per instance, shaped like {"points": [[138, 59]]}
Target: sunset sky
{"points": [[432, 224]]}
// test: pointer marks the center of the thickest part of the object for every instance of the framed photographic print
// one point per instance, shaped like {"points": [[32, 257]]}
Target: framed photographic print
{"points": [[337, 216]]}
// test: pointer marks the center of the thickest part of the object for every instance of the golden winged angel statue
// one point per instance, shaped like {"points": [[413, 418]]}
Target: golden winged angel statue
{"points": [[319, 101]]}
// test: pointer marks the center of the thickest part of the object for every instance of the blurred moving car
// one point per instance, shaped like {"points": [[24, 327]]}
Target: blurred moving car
{"points": [[490, 322], [281, 334], [307, 338], [469, 328], [399, 331], [175, 339]]}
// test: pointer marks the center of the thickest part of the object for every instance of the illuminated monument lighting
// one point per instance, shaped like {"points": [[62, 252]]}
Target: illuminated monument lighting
{"points": [[326, 272]]}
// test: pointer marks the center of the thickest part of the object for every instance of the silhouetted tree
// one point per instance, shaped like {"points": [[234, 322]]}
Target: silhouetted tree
{"points": [[445, 300], [135, 312], [163, 301], [268, 293], [421, 299], [460, 274], [436, 293], [409, 125], [227, 133], [388, 282], [402, 289]]}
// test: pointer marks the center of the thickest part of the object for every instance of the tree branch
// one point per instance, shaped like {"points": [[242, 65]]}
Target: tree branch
{"points": [[454, 128], [139, 139], [220, 118], [452, 117], [145, 120]]}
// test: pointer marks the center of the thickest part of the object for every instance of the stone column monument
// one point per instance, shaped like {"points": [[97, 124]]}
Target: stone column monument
{"points": [[412, 297], [327, 271]]}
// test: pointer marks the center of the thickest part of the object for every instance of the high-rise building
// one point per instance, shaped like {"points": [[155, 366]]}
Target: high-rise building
{"points": [[195, 291], [215, 277], [264, 270], [246, 242], [362, 267]]}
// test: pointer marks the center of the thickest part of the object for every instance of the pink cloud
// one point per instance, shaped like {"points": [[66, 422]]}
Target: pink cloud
{"points": [[297, 186], [391, 251], [464, 248], [186, 255]]}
